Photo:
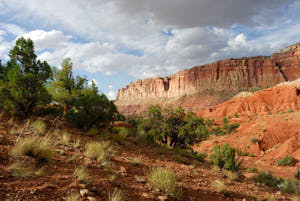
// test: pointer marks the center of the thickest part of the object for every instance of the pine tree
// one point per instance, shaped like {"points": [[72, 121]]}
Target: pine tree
{"points": [[27, 77], [64, 88]]}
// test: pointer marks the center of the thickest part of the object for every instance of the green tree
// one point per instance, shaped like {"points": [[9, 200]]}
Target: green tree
{"points": [[91, 109], [224, 157], [64, 88], [27, 77]]}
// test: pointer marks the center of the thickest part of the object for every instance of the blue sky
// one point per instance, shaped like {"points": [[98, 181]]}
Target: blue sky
{"points": [[118, 41]]}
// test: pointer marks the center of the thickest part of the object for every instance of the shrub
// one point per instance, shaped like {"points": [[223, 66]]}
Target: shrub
{"points": [[116, 196], [65, 138], [101, 151], [82, 175], [145, 137], [254, 140], [39, 148], [236, 115], [165, 181], [76, 143], [290, 186], [266, 178], [221, 187], [297, 174], [252, 169], [224, 157], [230, 175], [93, 132], [287, 161]]}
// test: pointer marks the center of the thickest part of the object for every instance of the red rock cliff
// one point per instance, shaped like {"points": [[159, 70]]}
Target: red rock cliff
{"points": [[194, 88]]}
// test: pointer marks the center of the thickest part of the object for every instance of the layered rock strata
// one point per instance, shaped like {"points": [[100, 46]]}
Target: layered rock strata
{"points": [[202, 86]]}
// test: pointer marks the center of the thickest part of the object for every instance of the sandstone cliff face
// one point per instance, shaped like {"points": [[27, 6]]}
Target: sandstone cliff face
{"points": [[195, 87]]}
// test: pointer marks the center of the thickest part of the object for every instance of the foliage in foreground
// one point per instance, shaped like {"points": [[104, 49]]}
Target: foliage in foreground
{"points": [[165, 181]]}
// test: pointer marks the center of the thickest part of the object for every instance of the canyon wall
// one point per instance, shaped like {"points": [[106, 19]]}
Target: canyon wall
{"points": [[204, 86]]}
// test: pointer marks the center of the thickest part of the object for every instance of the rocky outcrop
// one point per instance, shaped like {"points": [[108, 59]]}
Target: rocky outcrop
{"points": [[207, 85]]}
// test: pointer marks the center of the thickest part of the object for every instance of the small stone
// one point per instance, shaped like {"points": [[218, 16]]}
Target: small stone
{"points": [[122, 170], [148, 196], [278, 192], [82, 185], [83, 192], [140, 180], [162, 198], [244, 199], [90, 198]]}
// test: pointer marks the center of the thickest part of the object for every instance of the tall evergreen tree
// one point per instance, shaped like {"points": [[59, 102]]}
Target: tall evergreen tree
{"points": [[27, 79], [64, 88]]}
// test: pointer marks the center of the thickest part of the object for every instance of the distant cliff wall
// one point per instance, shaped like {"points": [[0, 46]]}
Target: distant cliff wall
{"points": [[227, 76]]}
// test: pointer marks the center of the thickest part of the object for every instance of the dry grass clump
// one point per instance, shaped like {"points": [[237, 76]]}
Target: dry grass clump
{"points": [[231, 176], [72, 197], [19, 170], [103, 152], [117, 195], [65, 138], [82, 175], [76, 143], [39, 127], [36, 147], [165, 181], [221, 187]]}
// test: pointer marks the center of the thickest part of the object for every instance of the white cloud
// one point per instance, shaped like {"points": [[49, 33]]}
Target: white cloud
{"points": [[111, 95], [168, 35], [110, 86], [48, 39]]}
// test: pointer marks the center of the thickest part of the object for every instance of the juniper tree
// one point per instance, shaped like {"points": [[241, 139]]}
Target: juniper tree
{"points": [[26, 80]]}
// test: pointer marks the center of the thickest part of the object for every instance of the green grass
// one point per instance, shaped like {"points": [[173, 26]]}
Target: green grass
{"points": [[287, 161], [93, 132], [254, 140], [19, 170], [103, 152], [165, 181]]}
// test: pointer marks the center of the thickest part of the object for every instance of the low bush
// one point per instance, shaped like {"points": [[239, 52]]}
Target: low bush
{"points": [[165, 181], [290, 186], [254, 140], [266, 178], [224, 157], [39, 127], [297, 174], [231, 176], [221, 187], [252, 169], [287, 161]]}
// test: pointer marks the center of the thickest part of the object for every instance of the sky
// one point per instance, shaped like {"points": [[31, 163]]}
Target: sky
{"points": [[114, 42]]}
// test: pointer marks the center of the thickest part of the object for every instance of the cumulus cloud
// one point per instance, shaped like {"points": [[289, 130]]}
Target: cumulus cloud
{"points": [[149, 38], [111, 95]]}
